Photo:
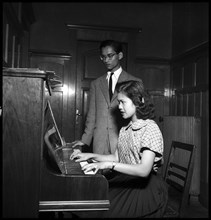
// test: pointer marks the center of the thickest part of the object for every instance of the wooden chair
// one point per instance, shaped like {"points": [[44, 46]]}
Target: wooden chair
{"points": [[178, 177]]}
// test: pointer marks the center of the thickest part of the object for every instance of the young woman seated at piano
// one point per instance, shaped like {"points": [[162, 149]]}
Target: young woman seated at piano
{"points": [[135, 190]]}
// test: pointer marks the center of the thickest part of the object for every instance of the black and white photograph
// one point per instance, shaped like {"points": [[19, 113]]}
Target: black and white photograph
{"points": [[105, 109]]}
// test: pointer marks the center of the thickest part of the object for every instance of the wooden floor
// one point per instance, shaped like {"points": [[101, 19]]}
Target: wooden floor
{"points": [[196, 210]]}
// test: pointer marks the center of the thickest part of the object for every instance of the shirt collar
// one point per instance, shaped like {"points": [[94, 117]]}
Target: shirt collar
{"points": [[137, 124], [116, 73]]}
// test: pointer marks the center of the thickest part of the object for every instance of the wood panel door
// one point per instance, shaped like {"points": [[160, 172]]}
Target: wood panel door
{"points": [[62, 97]]}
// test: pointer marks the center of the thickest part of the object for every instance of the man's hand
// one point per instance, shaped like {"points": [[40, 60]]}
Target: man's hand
{"points": [[51, 131], [78, 156], [77, 143]]}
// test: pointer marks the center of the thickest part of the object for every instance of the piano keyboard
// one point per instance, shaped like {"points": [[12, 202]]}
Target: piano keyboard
{"points": [[92, 172]]}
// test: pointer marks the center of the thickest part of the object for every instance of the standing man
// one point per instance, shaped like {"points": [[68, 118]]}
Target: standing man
{"points": [[104, 120]]}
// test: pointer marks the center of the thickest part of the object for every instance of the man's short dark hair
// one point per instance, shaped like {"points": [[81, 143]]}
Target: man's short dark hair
{"points": [[117, 46]]}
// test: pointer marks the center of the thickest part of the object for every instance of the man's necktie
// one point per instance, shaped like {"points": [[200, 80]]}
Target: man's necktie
{"points": [[110, 86]]}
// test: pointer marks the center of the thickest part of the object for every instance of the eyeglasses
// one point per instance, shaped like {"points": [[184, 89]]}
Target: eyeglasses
{"points": [[109, 56]]}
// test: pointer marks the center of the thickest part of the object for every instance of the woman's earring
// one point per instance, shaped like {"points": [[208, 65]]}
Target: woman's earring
{"points": [[142, 100]]}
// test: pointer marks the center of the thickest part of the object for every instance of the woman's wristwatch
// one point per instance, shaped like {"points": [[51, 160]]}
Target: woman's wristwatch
{"points": [[113, 165]]}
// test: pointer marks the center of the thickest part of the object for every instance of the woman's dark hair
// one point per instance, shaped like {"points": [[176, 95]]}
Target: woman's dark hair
{"points": [[135, 91], [117, 46]]}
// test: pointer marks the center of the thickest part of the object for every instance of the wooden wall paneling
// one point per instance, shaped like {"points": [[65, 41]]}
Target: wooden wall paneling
{"points": [[155, 74], [16, 56], [191, 105], [159, 102], [13, 50], [202, 74], [185, 129], [178, 104], [4, 38], [197, 104], [16, 33], [192, 99], [190, 26], [184, 104], [172, 104], [14, 30], [174, 110], [204, 198], [177, 77], [10, 43], [6, 44], [15, 6], [188, 75], [24, 51]]}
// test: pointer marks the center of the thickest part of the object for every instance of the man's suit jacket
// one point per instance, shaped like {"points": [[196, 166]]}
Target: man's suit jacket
{"points": [[104, 120]]}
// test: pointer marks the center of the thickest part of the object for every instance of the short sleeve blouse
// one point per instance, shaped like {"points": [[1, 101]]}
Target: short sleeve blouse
{"points": [[137, 137]]}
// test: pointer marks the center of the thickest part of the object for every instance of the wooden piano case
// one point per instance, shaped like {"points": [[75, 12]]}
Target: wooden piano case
{"points": [[30, 182], [23, 96]]}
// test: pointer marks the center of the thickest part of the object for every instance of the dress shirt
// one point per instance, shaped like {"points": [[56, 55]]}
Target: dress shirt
{"points": [[114, 78]]}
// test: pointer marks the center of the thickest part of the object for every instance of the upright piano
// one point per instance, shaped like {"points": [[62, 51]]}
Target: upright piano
{"points": [[32, 180]]}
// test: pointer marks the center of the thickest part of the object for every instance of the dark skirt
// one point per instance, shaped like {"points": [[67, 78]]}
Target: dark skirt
{"points": [[135, 197]]}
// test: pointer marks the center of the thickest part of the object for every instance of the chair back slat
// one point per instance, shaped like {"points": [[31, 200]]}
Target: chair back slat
{"points": [[178, 166], [175, 185], [176, 175]]}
